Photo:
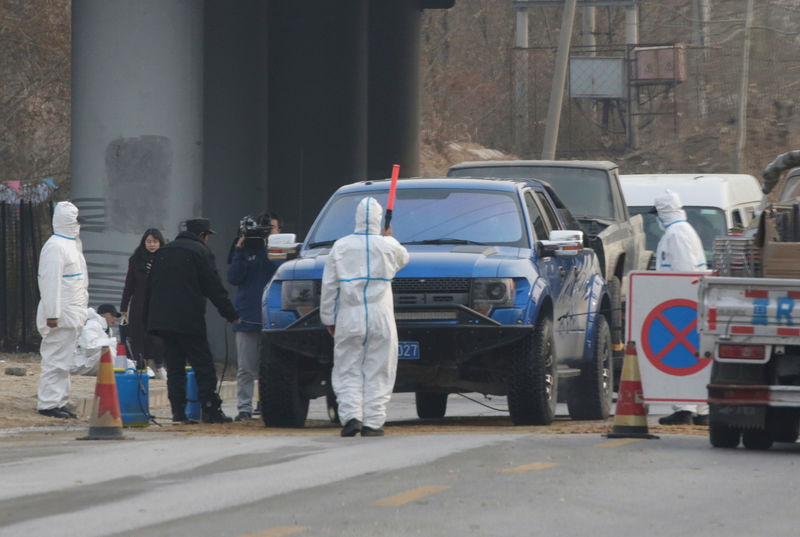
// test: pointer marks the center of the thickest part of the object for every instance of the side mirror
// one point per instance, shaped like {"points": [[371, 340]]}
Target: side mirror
{"points": [[562, 243], [281, 246]]}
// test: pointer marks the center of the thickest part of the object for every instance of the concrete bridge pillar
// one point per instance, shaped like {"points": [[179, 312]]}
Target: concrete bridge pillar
{"points": [[317, 104], [394, 98], [137, 128]]}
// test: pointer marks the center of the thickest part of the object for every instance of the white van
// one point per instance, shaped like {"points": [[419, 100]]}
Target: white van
{"points": [[714, 203]]}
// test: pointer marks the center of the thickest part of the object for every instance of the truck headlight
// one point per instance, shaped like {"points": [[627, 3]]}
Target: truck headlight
{"points": [[491, 293], [300, 295]]}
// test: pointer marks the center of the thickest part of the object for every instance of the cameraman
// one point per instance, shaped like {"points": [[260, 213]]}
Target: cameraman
{"points": [[250, 270]]}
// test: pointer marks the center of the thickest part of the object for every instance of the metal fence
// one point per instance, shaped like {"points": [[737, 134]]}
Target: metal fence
{"points": [[24, 226]]}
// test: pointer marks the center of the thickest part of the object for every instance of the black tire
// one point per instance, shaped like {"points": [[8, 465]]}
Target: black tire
{"points": [[431, 405], [616, 315], [723, 436], [533, 383], [590, 393], [282, 405], [757, 439], [333, 407]]}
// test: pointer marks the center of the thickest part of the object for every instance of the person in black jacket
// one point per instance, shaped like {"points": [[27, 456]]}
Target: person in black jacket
{"points": [[143, 346], [183, 275]]}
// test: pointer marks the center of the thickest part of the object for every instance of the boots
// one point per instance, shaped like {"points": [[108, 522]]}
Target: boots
{"points": [[179, 414], [212, 411]]}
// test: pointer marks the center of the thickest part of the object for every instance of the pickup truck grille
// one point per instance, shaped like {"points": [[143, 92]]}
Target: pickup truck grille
{"points": [[413, 291]]}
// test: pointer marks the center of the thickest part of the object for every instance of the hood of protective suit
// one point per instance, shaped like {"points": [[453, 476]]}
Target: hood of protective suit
{"points": [[670, 208], [369, 214], [65, 220]]}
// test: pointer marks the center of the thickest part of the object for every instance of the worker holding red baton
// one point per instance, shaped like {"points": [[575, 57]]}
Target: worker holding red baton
{"points": [[357, 307]]}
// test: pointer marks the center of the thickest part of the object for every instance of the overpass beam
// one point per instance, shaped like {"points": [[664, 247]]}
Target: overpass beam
{"points": [[394, 88]]}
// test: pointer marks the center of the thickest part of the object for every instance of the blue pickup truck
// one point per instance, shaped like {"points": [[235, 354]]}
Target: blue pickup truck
{"points": [[500, 297]]}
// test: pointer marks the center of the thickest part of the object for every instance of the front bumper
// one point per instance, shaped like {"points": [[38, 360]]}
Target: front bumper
{"points": [[453, 344]]}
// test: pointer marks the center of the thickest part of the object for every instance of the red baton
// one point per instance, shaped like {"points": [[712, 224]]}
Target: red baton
{"points": [[392, 191]]}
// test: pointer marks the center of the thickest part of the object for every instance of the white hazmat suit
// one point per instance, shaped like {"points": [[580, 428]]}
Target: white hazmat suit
{"points": [[357, 299], [679, 250], [63, 284], [93, 338]]}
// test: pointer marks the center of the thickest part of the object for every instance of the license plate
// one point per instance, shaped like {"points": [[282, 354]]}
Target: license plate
{"points": [[408, 350]]}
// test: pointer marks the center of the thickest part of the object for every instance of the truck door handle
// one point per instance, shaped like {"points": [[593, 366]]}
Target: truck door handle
{"points": [[562, 273]]}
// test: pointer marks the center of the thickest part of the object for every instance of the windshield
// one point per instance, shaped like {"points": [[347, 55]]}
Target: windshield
{"points": [[709, 222], [430, 214], [585, 192]]}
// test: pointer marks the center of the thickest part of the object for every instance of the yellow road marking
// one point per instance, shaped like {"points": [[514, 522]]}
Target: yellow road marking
{"points": [[619, 442], [409, 496], [278, 531], [528, 467]]}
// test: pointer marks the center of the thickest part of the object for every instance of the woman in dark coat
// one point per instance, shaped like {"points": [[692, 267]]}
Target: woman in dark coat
{"points": [[133, 305]]}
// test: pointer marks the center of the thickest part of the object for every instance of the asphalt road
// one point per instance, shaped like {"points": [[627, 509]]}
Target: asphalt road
{"points": [[490, 481]]}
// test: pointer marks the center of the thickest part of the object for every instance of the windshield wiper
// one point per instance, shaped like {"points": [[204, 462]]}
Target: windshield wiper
{"points": [[320, 244], [446, 241]]}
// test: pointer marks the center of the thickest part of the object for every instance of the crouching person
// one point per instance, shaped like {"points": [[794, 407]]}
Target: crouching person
{"points": [[96, 334]]}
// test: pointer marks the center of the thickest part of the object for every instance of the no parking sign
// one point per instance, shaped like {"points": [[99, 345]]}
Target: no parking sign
{"points": [[662, 321]]}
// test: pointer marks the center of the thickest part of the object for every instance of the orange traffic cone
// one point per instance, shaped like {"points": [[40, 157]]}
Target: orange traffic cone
{"points": [[105, 422], [630, 418]]}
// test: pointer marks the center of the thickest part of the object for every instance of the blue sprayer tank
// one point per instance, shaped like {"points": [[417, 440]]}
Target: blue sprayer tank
{"points": [[134, 397], [192, 398]]}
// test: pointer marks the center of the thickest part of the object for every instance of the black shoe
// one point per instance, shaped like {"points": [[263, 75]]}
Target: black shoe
{"points": [[257, 409], [700, 420], [211, 411], [681, 417], [243, 416], [369, 431], [351, 428], [182, 419], [216, 417], [62, 413]]}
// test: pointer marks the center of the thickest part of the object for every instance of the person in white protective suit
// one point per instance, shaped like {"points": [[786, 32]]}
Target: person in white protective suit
{"points": [[358, 308], [96, 334], [63, 287], [679, 250]]}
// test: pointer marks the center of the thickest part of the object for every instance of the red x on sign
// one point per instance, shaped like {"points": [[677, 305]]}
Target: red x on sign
{"points": [[669, 338]]}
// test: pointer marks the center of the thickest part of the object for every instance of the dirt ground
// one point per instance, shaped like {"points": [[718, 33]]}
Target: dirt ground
{"points": [[18, 393], [18, 413]]}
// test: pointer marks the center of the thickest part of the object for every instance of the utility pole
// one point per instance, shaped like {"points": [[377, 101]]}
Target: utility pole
{"points": [[700, 40], [588, 29], [631, 40], [744, 83], [520, 64], [559, 78]]}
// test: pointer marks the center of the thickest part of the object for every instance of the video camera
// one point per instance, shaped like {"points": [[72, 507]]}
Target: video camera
{"points": [[255, 230]]}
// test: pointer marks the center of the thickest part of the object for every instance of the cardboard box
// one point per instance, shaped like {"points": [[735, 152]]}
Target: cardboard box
{"points": [[781, 259]]}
